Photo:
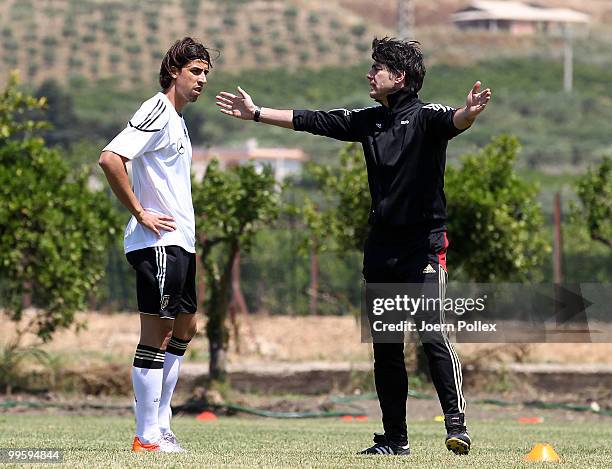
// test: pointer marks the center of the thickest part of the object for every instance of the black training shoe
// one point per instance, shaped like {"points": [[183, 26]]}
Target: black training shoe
{"points": [[383, 446], [457, 439]]}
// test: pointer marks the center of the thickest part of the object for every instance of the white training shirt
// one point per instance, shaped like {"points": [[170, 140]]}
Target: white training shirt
{"points": [[157, 143]]}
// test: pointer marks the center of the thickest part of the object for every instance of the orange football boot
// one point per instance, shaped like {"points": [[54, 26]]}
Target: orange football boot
{"points": [[139, 446]]}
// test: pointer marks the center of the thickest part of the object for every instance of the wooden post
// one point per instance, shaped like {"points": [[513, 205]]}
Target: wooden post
{"points": [[558, 242], [313, 290]]}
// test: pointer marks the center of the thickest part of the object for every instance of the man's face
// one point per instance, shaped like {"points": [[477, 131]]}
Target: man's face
{"points": [[190, 80], [382, 81]]}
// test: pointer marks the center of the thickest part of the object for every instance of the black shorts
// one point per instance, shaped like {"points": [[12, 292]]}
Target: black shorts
{"points": [[165, 280]]}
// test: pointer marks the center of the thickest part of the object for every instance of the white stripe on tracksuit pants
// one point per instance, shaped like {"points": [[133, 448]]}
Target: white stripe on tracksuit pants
{"points": [[457, 374]]}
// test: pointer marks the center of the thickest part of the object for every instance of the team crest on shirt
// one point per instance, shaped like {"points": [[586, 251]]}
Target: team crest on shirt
{"points": [[180, 146]]}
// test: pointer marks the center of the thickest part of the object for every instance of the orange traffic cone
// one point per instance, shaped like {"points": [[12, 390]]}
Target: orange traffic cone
{"points": [[530, 420], [206, 415], [542, 452]]}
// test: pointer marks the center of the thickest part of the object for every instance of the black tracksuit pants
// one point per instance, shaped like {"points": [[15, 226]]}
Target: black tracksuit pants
{"points": [[393, 255]]}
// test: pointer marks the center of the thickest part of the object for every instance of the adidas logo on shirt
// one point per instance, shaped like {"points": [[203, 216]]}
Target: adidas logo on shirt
{"points": [[429, 270]]}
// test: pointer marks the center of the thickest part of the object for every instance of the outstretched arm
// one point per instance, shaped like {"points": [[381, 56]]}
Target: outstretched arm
{"points": [[475, 103], [242, 107]]}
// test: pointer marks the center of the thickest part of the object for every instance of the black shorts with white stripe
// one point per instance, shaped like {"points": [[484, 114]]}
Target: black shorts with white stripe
{"points": [[165, 280]]}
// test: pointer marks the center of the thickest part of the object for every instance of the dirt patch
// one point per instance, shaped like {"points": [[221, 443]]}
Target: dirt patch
{"points": [[112, 338]]}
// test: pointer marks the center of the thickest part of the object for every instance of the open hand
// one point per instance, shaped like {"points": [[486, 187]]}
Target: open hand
{"points": [[240, 106], [476, 101]]}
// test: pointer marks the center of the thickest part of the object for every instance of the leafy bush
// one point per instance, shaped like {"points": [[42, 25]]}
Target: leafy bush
{"points": [[190, 8], [494, 219], [10, 60], [261, 58], [304, 56], [115, 40], [255, 41], [594, 210], [31, 35], [53, 228], [358, 30], [313, 18], [152, 24], [10, 45], [342, 40], [49, 56], [21, 10], [322, 48], [290, 12], [50, 41], [133, 49], [229, 21], [231, 207], [280, 49], [32, 69], [362, 46], [75, 61]]}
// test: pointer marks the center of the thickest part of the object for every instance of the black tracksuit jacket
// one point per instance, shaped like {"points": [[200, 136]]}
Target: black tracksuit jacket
{"points": [[405, 151]]}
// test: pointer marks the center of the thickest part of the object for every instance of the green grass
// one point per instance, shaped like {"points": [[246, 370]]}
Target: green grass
{"points": [[241, 442]]}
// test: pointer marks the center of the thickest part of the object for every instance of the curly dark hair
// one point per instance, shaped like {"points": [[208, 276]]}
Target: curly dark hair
{"points": [[180, 54], [401, 56]]}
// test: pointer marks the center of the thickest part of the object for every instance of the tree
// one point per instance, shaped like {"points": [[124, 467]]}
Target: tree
{"points": [[65, 125], [594, 210], [494, 221], [231, 207], [54, 229], [342, 226], [344, 221]]}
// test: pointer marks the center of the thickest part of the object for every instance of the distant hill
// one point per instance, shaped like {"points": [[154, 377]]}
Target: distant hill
{"points": [[99, 38], [95, 39]]}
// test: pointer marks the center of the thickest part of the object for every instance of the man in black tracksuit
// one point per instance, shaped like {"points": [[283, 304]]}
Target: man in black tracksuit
{"points": [[404, 142]]}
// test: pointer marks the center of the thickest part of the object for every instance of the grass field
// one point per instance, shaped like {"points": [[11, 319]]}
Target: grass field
{"points": [[241, 442]]}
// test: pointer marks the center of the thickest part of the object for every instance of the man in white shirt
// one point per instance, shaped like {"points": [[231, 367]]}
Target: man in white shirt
{"points": [[160, 237]]}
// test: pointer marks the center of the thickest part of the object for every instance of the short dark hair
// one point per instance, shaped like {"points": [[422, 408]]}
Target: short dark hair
{"points": [[401, 56], [180, 54]]}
